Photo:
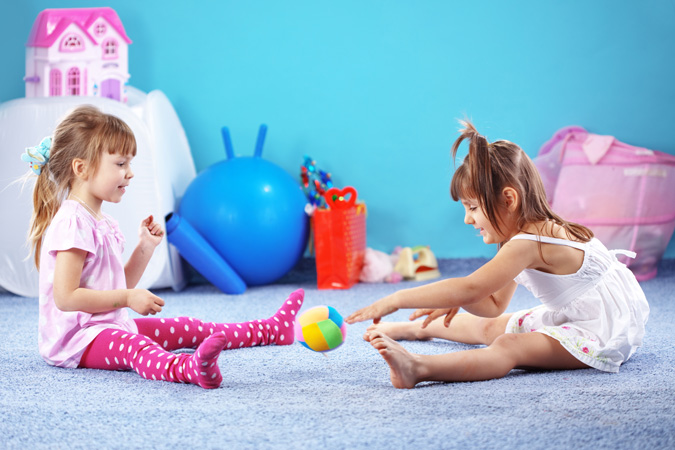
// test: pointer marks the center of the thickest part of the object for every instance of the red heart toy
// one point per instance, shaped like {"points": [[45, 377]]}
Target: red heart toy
{"points": [[337, 198]]}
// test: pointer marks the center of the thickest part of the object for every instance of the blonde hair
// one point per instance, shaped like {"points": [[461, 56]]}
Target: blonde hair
{"points": [[488, 168], [84, 134]]}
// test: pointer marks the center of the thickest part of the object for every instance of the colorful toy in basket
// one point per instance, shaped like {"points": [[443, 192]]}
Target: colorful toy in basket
{"points": [[321, 329], [315, 182]]}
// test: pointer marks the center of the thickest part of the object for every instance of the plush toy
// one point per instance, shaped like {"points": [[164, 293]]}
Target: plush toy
{"points": [[378, 267], [321, 329]]}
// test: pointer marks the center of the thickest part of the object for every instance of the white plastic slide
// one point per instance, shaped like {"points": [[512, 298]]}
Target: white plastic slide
{"points": [[163, 169]]}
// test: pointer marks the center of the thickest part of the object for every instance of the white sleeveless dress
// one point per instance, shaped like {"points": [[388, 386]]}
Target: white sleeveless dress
{"points": [[598, 313]]}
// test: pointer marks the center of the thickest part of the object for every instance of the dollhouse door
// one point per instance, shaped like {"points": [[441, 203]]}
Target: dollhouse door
{"points": [[110, 88]]}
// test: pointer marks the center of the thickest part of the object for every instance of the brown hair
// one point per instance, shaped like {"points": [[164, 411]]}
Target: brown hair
{"points": [[85, 134], [488, 168]]}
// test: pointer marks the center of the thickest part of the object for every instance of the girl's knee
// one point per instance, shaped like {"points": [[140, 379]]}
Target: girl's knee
{"points": [[505, 341], [491, 328], [507, 349]]}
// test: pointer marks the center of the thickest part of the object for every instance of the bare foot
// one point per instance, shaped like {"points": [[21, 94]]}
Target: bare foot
{"points": [[406, 331], [402, 364]]}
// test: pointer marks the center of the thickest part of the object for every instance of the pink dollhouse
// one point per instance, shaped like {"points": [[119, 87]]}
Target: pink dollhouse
{"points": [[77, 51]]}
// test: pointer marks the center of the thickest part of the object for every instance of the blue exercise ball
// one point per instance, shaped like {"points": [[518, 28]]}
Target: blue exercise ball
{"points": [[252, 213]]}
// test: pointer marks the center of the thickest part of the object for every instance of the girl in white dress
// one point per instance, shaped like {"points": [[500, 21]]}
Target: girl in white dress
{"points": [[593, 311]]}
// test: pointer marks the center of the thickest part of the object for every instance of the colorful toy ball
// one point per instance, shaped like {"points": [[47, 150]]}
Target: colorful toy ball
{"points": [[320, 329]]}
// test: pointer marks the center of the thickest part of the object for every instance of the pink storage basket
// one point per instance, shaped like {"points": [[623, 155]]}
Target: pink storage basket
{"points": [[625, 194]]}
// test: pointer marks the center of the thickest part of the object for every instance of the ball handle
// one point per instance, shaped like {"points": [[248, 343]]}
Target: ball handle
{"points": [[259, 143], [227, 140], [262, 132]]}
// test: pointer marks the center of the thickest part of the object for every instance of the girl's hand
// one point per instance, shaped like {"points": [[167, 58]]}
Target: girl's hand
{"points": [[144, 302], [150, 232], [376, 311], [433, 314]]}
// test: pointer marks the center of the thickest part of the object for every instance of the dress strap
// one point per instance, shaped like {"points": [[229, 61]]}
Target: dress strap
{"points": [[551, 240], [628, 253]]}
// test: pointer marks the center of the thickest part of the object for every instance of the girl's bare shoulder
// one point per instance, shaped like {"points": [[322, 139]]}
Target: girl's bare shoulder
{"points": [[550, 229], [553, 258]]}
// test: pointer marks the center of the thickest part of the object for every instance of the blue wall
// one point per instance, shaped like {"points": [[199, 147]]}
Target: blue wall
{"points": [[371, 89]]}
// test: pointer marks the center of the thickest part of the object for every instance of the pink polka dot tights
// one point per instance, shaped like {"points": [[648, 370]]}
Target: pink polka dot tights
{"points": [[149, 351]]}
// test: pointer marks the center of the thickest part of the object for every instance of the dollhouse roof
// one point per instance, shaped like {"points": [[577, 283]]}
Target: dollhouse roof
{"points": [[50, 23]]}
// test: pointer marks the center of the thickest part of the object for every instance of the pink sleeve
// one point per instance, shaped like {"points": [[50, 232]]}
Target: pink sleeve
{"points": [[69, 233]]}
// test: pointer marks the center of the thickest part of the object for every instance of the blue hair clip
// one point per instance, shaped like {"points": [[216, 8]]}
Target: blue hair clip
{"points": [[37, 156]]}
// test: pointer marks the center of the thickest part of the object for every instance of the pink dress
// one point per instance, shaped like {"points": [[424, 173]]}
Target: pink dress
{"points": [[63, 336]]}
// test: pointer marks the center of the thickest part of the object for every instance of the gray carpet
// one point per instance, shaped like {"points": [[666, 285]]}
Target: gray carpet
{"points": [[290, 397]]}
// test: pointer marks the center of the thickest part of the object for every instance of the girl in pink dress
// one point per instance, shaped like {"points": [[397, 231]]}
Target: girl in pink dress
{"points": [[593, 311], [85, 288]]}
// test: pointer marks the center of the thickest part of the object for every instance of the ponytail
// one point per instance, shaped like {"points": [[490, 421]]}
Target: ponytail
{"points": [[488, 168], [477, 183], [45, 205]]}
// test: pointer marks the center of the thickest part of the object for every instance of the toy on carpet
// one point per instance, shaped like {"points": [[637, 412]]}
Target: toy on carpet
{"points": [[320, 329], [378, 267], [251, 212], [417, 263], [407, 263], [339, 233]]}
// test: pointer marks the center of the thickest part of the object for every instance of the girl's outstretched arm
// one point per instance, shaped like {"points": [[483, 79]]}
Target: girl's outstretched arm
{"points": [[485, 292], [69, 296], [150, 235]]}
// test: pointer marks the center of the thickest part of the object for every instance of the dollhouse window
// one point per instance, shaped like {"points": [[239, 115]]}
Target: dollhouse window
{"points": [[55, 83], [110, 50], [99, 29], [72, 43], [74, 81]]}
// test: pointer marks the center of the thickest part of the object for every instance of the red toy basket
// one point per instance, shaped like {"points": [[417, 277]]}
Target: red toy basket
{"points": [[339, 239]]}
